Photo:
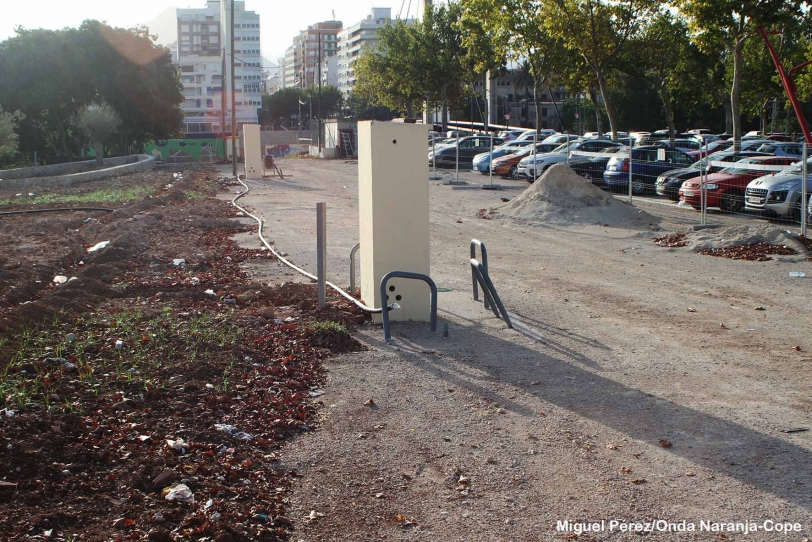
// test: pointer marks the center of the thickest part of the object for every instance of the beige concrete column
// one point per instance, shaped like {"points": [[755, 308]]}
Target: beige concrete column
{"points": [[252, 151], [393, 201]]}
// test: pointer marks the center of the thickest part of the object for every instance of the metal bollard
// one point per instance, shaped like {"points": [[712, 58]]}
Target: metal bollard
{"points": [[321, 251]]}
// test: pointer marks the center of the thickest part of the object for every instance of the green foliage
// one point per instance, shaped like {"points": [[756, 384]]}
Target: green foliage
{"points": [[50, 75], [424, 62], [281, 106], [105, 195], [100, 124], [8, 138]]}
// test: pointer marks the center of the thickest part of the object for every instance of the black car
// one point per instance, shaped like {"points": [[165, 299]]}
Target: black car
{"points": [[592, 169], [468, 148], [669, 183]]}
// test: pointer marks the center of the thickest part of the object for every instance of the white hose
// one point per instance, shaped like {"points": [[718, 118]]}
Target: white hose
{"points": [[291, 265]]}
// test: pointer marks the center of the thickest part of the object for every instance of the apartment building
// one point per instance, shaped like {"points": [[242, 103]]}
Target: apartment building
{"points": [[302, 59], [204, 40], [353, 39]]}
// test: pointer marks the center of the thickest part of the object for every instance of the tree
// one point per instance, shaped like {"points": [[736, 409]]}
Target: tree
{"points": [[49, 75], [662, 57], [599, 31], [8, 138], [518, 33], [331, 99], [100, 124], [389, 73], [729, 23]]}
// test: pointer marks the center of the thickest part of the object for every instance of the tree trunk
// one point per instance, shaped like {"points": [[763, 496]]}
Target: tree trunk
{"points": [[598, 120], [728, 117], [99, 150], [555, 106], [536, 103], [735, 93], [486, 119], [669, 113], [607, 103]]}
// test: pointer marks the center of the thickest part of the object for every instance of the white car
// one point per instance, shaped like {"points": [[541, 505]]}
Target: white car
{"points": [[559, 139], [779, 194], [532, 169], [542, 134]]}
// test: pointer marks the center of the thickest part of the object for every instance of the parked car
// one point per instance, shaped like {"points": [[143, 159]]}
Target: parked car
{"points": [[468, 148], [780, 148], [531, 169], [540, 136], [778, 194], [482, 161], [593, 168], [506, 166], [669, 183], [648, 163], [510, 135], [726, 188], [558, 139]]}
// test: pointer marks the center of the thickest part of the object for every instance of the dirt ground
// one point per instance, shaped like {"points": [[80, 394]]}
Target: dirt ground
{"points": [[640, 383], [146, 386]]}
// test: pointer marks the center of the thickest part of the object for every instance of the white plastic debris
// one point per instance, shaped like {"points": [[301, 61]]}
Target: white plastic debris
{"points": [[231, 430], [181, 493], [289, 319], [209, 292], [119, 344], [7, 413], [97, 247], [177, 262], [194, 281], [30, 194], [240, 214], [178, 445], [60, 279]]}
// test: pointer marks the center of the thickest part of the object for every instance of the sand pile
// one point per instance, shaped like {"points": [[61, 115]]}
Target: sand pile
{"points": [[562, 196]]}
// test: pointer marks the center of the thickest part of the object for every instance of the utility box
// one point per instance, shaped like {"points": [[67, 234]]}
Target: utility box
{"points": [[393, 202], [252, 151]]}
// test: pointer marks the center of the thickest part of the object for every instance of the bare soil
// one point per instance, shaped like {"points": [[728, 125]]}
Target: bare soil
{"points": [[141, 374]]}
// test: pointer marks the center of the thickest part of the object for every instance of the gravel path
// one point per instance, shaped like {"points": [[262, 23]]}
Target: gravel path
{"points": [[609, 401]]}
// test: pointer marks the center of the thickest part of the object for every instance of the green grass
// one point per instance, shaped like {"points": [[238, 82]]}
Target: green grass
{"points": [[152, 344], [195, 194], [105, 195]]}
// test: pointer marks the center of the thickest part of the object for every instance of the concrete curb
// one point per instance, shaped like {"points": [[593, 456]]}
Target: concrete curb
{"points": [[61, 175]]}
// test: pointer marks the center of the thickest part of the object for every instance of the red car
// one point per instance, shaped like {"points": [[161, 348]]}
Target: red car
{"points": [[725, 189]]}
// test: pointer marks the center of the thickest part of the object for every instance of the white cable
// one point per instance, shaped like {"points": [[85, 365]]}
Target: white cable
{"points": [[291, 265]]}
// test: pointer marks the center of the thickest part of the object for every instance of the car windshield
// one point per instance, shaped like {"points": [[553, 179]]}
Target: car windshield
{"points": [[604, 151], [796, 168]]}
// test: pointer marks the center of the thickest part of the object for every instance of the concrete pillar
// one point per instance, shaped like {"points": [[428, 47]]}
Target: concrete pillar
{"points": [[491, 97], [252, 151], [393, 202]]}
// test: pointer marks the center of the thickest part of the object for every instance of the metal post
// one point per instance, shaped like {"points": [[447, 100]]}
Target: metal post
{"points": [[321, 249], [434, 176], [631, 182], [457, 162], [535, 148], [353, 251], [703, 181], [804, 203], [490, 162], [233, 101], [566, 133]]}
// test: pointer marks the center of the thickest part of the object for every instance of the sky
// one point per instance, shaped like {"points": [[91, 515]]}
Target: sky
{"points": [[280, 20]]}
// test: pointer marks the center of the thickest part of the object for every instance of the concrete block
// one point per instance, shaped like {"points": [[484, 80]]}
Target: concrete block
{"points": [[393, 192], [252, 150]]}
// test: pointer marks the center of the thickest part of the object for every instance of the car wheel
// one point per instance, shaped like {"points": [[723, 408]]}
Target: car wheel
{"points": [[638, 187], [795, 213], [513, 173], [732, 202], [587, 177]]}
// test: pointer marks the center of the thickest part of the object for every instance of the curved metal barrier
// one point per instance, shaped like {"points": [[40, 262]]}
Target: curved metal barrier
{"points": [[480, 273], [407, 275], [474, 244], [353, 250]]}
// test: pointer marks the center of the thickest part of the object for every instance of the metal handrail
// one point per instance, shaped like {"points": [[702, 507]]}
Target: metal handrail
{"points": [[407, 275]]}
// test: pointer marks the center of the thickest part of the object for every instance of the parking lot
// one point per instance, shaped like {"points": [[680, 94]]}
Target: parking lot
{"points": [[618, 344]]}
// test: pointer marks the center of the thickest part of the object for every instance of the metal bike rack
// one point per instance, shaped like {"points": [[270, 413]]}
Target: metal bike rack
{"points": [[407, 275], [353, 251], [477, 243], [480, 273]]}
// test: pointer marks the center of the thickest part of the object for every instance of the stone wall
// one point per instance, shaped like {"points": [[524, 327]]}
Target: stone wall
{"points": [[58, 175]]}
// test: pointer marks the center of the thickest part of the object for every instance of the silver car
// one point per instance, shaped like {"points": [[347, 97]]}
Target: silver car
{"points": [[778, 194]]}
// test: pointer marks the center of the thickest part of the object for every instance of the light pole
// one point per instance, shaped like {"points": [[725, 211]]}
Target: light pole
{"points": [[233, 101]]}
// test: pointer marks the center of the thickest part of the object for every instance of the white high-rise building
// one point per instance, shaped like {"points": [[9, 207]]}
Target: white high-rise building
{"points": [[353, 39], [204, 40]]}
